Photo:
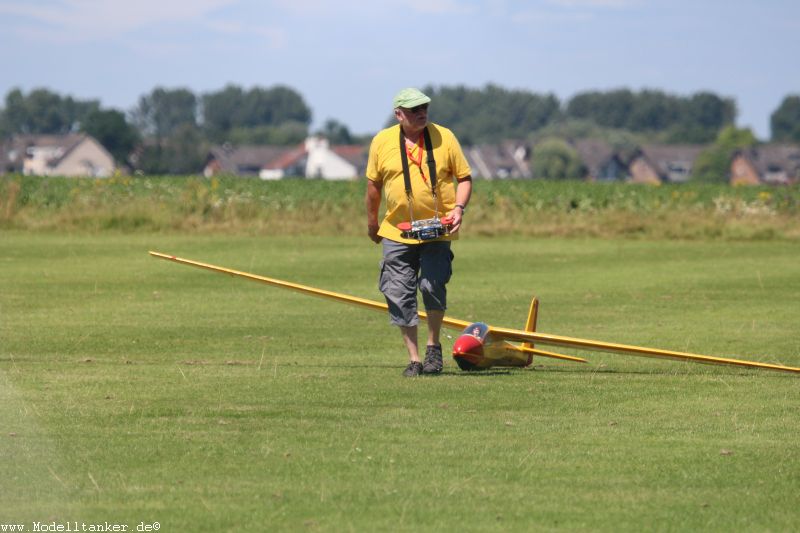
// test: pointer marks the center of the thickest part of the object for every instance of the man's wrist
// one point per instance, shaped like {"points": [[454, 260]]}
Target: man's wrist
{"points": [[463, 208]]}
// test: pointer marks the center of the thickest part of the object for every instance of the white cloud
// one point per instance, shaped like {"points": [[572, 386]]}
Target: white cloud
{"points": [[87, 20]]}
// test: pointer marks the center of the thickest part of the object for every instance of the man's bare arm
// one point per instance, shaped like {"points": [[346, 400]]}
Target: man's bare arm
{"points": [[372, 201]]}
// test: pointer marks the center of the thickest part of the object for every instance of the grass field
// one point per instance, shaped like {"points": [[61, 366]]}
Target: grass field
{"points": [[135, 391]]}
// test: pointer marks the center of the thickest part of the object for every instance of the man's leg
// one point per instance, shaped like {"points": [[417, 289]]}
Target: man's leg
{"points": [[435, 318], [415, 367], [409, 334], [433, 351], [435, 270], [398, 283]]}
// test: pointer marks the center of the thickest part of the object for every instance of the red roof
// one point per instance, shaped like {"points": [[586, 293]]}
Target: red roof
{"points": [[286, 159], [354, 153]]}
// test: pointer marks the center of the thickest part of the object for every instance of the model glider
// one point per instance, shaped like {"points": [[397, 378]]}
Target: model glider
{"points": [[481, 346]]}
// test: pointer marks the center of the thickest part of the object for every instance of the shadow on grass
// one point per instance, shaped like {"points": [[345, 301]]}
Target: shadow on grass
{"points": [[481, 373], [508, 371], [683, 371]]}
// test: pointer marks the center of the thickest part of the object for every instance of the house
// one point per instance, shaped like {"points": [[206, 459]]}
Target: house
{"points": [[247, 160], [314, 158], [290, 163], [10, 158], [773, 164], [601, 160], [355, 154], [743, 170], [659, 163], [334, 163], [72, 154], [779, 163], [508, 159]]}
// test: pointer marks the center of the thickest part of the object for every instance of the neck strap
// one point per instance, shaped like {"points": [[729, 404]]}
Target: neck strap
{"points": [[431, 161]]}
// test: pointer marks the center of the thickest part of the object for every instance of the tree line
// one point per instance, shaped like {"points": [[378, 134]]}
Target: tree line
{"points": [[476, 114], [170, 129]]}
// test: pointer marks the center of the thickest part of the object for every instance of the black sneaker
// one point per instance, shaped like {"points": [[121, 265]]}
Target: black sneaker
{"points": [[433, 360], [413, 369]]}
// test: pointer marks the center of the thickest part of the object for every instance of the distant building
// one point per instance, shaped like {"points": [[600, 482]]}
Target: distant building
{"points": [[314, 158], [290, 163], [772, 164], [601, 162], [334, 163], [242, 160], [667, 163], [71, 155], [743, 171], [509, 159]]}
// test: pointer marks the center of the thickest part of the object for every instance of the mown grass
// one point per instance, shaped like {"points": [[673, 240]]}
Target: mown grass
{"points": [[298, 207], [136, 390]]}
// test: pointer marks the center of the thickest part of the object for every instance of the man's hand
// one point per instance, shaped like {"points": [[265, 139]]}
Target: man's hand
{"points": [[372, 231], [456, 215], [463, 193]]}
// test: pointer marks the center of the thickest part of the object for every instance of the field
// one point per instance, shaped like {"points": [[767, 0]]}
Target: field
{"points": [[530, 208], [136, 391]]}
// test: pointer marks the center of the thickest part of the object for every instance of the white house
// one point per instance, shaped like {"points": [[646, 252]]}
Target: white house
{"points": [[324, 162]]}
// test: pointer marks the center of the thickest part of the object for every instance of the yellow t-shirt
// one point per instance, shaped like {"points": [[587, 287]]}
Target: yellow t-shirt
{"points": [[385, 166]]}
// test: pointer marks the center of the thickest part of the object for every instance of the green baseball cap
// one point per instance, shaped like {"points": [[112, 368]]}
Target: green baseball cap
{"points": [[409, 98]]}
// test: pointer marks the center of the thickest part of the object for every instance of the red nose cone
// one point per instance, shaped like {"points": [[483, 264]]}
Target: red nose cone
{"points": [[468, 345], [468, 352]]}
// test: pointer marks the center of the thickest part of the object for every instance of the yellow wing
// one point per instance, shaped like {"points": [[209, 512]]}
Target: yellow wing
{"points": [[507, 334], [571, 342]]}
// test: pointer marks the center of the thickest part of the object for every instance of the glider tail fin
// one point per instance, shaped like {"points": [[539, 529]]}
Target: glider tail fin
{"points": [[529, 348]]}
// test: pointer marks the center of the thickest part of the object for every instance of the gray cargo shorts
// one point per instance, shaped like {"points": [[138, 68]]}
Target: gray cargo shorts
{"points": [[408, 267]]}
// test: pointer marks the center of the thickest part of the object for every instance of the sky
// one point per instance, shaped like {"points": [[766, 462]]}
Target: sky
{"points": [[347, 58]]}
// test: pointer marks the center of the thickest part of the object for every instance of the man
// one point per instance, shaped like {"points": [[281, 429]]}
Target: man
{"points": [[416, 188]]}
